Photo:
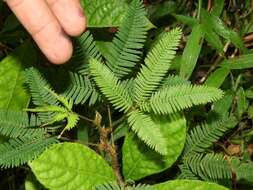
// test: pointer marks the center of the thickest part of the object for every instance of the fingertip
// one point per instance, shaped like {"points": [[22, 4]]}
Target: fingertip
{"points": [[61, 52], [70, 15], [54, 44], [77, 27], [44, 27]]}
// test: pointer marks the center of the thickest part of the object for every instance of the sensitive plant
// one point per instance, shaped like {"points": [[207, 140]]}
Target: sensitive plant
{"points": [[135, 106]]}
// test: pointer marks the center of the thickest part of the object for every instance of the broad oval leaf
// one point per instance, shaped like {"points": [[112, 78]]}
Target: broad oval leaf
{"points": [[104, 13], [188, 185], [140, 161], [32, 184], [12, 93], [71, 166]]}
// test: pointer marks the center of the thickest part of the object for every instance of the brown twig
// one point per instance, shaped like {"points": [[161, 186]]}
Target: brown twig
{"points": [[108, 146], [85, 118], [111, 149], [248, 38], [5, 48], [209, 5], [115, 164]]}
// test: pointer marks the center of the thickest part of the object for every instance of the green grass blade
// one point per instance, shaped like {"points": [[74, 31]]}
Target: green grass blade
{"points": [[191, 52]]}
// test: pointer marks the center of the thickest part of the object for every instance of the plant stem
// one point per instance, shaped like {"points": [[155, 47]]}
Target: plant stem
{"points": [[199, 9], [85, 118], [110, 147], [109, 116], [115, 123], [110, 122], [209, 5], [112, 151], [115, 164]]}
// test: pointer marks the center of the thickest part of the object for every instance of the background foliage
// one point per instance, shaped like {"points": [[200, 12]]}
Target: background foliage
{"points": [[211, 143]]}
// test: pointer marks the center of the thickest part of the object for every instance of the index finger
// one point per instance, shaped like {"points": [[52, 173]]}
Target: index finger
{"points": [[40, 22], [70, 15]]}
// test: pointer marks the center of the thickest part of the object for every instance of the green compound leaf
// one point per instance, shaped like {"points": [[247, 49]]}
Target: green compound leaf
{"points": [[176, 98], [140, 161], [12, 93], [71, 166], [104, 13], [110, 85], [148, 131], [115, 186], [18, 151], [188, 185], [157, 64]]}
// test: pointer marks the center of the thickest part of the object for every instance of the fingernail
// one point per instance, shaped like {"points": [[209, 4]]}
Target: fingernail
{"points": [[81, 13]]}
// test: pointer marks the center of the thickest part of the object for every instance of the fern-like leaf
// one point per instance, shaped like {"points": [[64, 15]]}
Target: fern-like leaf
{"points": [[38, 87], [129, 40], [115, 186], [186, 173], [149, 132], [204, 136], [40, 91], [60, 113], [174, 80], [85, 49], [210, 167], [81, 89], [109, 186], [172, 99], [17, 124], [156, 66], [18, 151], [110, 86], [72, 120]]}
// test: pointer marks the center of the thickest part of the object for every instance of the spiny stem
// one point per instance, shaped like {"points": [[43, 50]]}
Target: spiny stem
{"points": [[110, 123], [105, 144], [110, 148], [115, 164], [109, 116]]}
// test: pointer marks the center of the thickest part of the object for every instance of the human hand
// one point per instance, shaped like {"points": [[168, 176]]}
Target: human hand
{"points": [[50, 22]]}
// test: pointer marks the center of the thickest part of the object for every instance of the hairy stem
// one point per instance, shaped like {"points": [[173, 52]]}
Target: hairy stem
{"points": [[115, 164], [110, 147]]}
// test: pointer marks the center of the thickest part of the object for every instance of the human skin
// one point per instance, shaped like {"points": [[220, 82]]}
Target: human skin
{"points": [[50, 23]]}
